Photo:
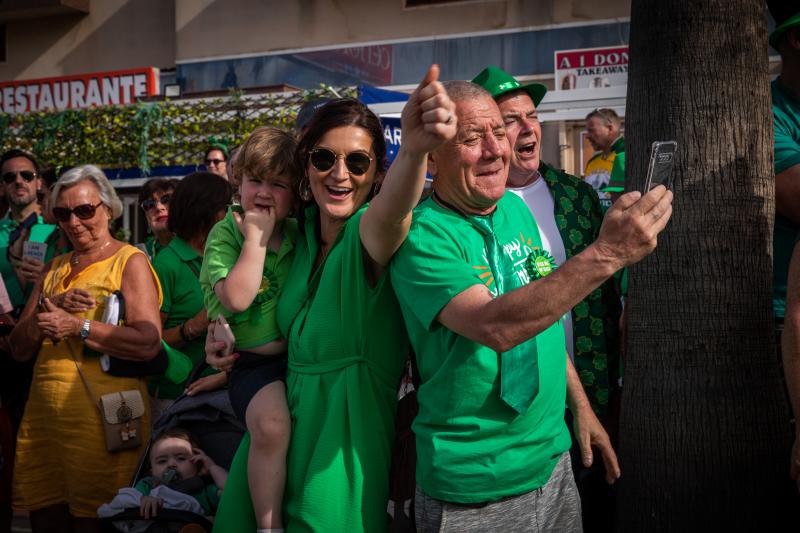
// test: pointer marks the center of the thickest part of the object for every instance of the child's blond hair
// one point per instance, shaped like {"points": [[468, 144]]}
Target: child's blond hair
{"points": [[268, 151]]}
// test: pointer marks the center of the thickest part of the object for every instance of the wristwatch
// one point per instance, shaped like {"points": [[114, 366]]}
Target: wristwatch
{"points": [[85, 329]]}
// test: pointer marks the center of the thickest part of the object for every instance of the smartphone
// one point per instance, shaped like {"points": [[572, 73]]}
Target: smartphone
{"points": [[662, 159], [222, 332]]}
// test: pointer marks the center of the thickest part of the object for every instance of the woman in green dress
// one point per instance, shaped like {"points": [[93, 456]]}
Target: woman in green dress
{"points": [[347, 342]]}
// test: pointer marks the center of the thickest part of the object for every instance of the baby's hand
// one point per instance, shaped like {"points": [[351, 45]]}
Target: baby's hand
{"points": [[201, 460], [149, 507], [257, 224]]}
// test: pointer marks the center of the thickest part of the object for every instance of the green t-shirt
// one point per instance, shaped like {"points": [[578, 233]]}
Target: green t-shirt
{"points": [[617, 178], [786, 123], [178, 267], [256, 325], [208, 498], [152, 247], [39, 232], [471, 446]]}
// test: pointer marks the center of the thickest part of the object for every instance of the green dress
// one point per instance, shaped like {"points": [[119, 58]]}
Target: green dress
{"points": [[347, 347]]}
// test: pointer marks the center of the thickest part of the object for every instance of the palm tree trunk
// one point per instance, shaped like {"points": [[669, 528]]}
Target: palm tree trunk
{"points": [[704, 429]]}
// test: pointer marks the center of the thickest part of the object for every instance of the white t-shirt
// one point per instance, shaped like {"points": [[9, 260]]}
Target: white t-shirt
{"points": [[539, 200]]}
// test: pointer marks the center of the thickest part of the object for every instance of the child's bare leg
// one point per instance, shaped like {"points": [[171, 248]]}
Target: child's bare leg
{"points": [[268, 421]]}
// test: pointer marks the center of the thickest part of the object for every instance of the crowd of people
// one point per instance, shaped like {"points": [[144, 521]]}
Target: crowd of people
{"points": [[315, 283]]}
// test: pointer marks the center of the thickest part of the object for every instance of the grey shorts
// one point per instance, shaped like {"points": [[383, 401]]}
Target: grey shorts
{"points": [[554, 507]]}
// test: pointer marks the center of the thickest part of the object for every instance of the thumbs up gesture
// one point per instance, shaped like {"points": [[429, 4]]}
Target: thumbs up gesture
{"points": [[55, 323], [429, 117]]}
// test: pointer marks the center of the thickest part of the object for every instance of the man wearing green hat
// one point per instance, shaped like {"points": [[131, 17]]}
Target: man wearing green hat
{"points": [[786, 123], [567, 212], [216, 157]]}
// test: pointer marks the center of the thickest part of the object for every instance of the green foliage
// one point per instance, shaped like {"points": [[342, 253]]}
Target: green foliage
{"points": [[149, 134]]}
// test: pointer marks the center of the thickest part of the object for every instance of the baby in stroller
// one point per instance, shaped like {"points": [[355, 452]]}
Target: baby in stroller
{"points": [[182, 477], [177, 462]]}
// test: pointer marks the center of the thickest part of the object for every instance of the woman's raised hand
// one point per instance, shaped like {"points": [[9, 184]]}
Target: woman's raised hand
{"points": [[429, 117]]}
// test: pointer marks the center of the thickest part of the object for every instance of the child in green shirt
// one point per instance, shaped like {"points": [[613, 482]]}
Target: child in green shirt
{"points": [[247, 259]]}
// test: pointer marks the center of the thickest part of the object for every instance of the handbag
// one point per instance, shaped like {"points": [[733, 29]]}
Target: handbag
{"points": [[120, 412], [123, 368]]}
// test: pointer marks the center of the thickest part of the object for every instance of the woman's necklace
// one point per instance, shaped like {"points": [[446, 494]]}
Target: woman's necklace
{"points": [[76, 257]]}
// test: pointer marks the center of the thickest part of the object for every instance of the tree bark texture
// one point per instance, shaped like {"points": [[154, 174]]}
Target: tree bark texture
{"points": [[705, 435]]}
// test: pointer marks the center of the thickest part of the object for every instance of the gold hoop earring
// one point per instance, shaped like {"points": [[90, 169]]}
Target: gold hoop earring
{"points": [[305, 189]]}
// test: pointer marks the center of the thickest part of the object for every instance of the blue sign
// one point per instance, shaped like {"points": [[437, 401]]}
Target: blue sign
{"points": [[392, 133]]}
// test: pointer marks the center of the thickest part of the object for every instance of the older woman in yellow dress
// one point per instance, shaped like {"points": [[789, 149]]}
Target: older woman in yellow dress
{"points": [[63, 470]]}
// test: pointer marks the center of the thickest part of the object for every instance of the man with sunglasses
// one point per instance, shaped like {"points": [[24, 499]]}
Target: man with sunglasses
{"points": [[482, 301], [19, 171], [216, 158]]}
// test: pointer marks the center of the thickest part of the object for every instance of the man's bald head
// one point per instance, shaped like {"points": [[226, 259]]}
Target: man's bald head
{"points": [[470, 170], [461, 91]]}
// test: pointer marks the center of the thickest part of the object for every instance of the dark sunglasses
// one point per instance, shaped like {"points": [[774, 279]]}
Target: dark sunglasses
{"points": [[149, 204], [215, 162], [11, 177], [357, 163], [83, 212]]}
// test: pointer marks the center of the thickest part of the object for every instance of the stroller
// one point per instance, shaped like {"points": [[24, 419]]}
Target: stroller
{"points": [[210, 418]]}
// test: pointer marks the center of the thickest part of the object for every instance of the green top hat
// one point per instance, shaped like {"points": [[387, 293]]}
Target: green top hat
{"points": [[499, 82], [777, 33]]}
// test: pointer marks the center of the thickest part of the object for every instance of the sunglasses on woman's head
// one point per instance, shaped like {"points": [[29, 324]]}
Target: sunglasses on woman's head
{"points": [[149, 204], [11, 177], [215, 162], [83, 212], [357, 163]]}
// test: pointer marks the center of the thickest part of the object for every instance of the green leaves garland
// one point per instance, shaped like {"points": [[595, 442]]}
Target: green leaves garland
{"points": [[149, 134]]}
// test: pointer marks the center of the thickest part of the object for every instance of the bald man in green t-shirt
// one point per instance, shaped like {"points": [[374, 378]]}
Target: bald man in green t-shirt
{"points": [[482, 300]]}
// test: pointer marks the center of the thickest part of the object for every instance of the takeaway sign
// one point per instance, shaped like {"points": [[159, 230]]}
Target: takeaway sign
{"points": [[119, 87], [590, 68]]}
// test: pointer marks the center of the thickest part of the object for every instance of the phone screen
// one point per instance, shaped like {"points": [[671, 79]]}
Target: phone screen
{"points": [[662, 159]]}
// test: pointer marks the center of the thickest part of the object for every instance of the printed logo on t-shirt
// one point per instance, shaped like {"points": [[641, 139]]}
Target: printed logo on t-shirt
{"points": [[518, 250]]}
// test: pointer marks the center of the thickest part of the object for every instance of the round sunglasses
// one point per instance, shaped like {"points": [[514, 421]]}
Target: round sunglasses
{"points": [[150, 203], [357, 163], [11, 177], [83, 212]]}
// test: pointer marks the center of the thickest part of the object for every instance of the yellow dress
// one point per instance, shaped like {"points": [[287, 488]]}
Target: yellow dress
{"points": [[61, 454]]}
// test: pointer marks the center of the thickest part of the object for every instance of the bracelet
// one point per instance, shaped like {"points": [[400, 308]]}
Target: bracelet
{"points": [[183, 333]]}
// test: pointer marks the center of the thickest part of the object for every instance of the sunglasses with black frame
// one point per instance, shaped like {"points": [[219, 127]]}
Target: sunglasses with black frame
{"points": [[83, 212], [357, 163], [150, 203], [11, 176]]}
